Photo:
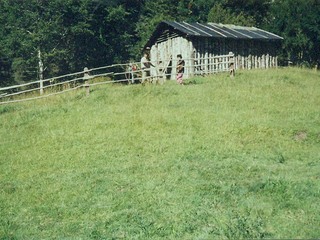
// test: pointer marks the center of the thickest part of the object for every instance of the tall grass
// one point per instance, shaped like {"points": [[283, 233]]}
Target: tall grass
{"points": [[217, 158]]}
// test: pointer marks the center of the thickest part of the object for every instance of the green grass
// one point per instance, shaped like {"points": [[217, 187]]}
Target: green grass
{"points": [[218, 158]]}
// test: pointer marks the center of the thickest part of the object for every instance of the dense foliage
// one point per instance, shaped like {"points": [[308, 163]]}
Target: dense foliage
{"points": [[72, 34]]}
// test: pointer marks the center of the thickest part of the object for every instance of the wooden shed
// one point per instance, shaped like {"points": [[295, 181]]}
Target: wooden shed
{"points": [[210, 47]]}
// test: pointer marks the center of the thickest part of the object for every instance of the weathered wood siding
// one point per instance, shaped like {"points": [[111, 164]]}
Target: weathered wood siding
{"points": [[200, 54], [164, 54], [249, 54]]}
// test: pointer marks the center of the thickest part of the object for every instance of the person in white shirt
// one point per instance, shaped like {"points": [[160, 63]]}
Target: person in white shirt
{"points": [[145, 67]]}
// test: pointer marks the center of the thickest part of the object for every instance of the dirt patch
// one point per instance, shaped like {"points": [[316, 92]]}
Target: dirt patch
{"points": [[300, 136]]}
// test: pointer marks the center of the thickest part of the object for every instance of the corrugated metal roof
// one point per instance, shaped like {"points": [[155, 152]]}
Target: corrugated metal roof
{"points": [[215, 30], [222, 30]]}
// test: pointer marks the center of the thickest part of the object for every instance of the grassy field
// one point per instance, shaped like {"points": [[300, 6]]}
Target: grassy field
{"points": [[218, 158]]}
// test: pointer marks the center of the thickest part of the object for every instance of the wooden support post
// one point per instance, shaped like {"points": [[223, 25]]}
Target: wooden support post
{"points": [[132, 74], [86, 74], [87, 87], [192, 56], [40, 72]]}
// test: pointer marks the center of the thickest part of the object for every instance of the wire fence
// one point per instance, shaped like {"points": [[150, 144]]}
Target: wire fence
{"points": [[128, 73]]}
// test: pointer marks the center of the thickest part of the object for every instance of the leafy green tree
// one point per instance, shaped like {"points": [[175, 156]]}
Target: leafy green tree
{"points": [[255, 11], [298, 21], [70, 34], [220, 14], [155, 11], [200, 9], [152, 13], [29, 26], [16, 37]]}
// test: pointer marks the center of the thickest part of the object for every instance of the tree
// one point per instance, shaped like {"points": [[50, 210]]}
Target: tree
{"points": [[18, 38], [152, 13], [71, 34], [220, 14], [256, 11], [200, 9], [298, 22], [155, 11]]}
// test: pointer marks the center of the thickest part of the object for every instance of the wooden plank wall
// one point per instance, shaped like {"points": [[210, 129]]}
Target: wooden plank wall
{"points": [[255, 54], [249, 54], [200, 54], [163, 54]]}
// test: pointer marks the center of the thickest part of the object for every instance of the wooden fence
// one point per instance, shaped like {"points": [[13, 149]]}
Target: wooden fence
{"points": [[116, 73]]}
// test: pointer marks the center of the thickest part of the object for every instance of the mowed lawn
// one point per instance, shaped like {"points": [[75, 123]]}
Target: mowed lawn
{"points": [[218, 158]]}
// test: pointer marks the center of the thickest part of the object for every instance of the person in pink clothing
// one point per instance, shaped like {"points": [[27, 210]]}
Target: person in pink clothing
{"points": [[180, 69]]}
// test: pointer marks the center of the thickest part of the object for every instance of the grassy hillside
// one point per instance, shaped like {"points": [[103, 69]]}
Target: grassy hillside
{"points": [[218, 158]]}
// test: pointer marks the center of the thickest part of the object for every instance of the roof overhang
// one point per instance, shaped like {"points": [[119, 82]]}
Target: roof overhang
{"points": [[211, 30]]}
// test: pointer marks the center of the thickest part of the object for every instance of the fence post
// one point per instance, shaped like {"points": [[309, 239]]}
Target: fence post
{"points": [[131, 74], [86, 74], [40, 72], [87, 87]]}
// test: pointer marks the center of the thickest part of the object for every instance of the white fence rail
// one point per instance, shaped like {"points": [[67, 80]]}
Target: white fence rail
{"points": [[116, 73]]}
